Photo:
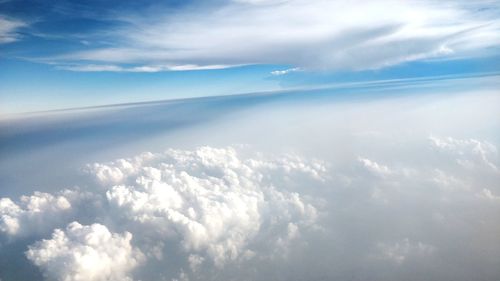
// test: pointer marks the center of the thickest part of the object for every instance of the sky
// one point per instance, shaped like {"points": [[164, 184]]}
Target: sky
{"points": [[63, 54], [249, 140]]}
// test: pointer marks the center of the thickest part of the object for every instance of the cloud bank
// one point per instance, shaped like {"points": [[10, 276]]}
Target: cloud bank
{"points": [[195, 214], [384, 189]]}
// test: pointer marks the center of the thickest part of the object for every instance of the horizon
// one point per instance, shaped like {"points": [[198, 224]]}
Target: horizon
{"points": [[345, 85], [69, 54]]}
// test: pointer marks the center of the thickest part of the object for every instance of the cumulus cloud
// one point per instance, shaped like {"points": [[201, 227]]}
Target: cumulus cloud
{"points": [[209, 205], [460, 166], [468, 153], [85, 253], [212, 206], [33, 213], [211, 200], [374, 167], [199, 214], [9, 29], [333, 35], [397, 194]]}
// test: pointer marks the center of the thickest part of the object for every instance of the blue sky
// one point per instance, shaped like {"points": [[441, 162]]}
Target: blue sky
{"points": [[59, 54]]}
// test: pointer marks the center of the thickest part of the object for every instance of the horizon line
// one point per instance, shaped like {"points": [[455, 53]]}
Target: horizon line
{"points": [[291, 90]]}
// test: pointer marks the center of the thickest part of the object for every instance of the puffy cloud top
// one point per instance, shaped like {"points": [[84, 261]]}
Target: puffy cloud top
{"points": [[208, 205], [85, 253], [30, 212], [210, 198], [216, 213]]}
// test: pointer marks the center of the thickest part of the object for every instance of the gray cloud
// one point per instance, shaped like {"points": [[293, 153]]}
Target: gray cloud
{"points": [[399, 251]]}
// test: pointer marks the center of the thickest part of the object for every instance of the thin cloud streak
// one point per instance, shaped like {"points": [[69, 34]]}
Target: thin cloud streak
{"points": [[144, 68]]}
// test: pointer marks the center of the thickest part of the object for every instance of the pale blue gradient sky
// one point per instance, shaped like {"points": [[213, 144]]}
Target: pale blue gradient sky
{"points": [[62, 54]]}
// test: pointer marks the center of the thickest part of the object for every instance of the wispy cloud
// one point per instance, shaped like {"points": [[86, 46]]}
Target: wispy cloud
{"points": [[317, 35], [285, 71], [141, 68], [9, 29]]}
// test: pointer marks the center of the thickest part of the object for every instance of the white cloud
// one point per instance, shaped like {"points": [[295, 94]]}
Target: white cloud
{"points": [[211, 200], [9, 28], [408, 193], [468, 153], [142, 68], [207, 205], [284, 72], [217, 207], [32, 213], [85, 253], [487, 194], [335, 35], [193, 212], [374, 167]]}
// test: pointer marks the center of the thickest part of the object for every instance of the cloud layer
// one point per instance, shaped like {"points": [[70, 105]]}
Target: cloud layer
{"points": [[195, 214], [405, 188]]}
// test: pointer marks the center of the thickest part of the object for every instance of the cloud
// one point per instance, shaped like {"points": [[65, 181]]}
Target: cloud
{"points": [[374, 167], [488, 195], [209, 199], [208, 207], [143, 68], [396, 194], [32, 213], [85, 253], [311, 35], [9, 29], [199, 214], [284, 72], [468, 153], [398, 252]]}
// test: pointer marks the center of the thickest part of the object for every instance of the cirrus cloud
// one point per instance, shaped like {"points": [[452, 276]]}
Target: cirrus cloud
{"points": [[9, 29], [310, 35]]}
